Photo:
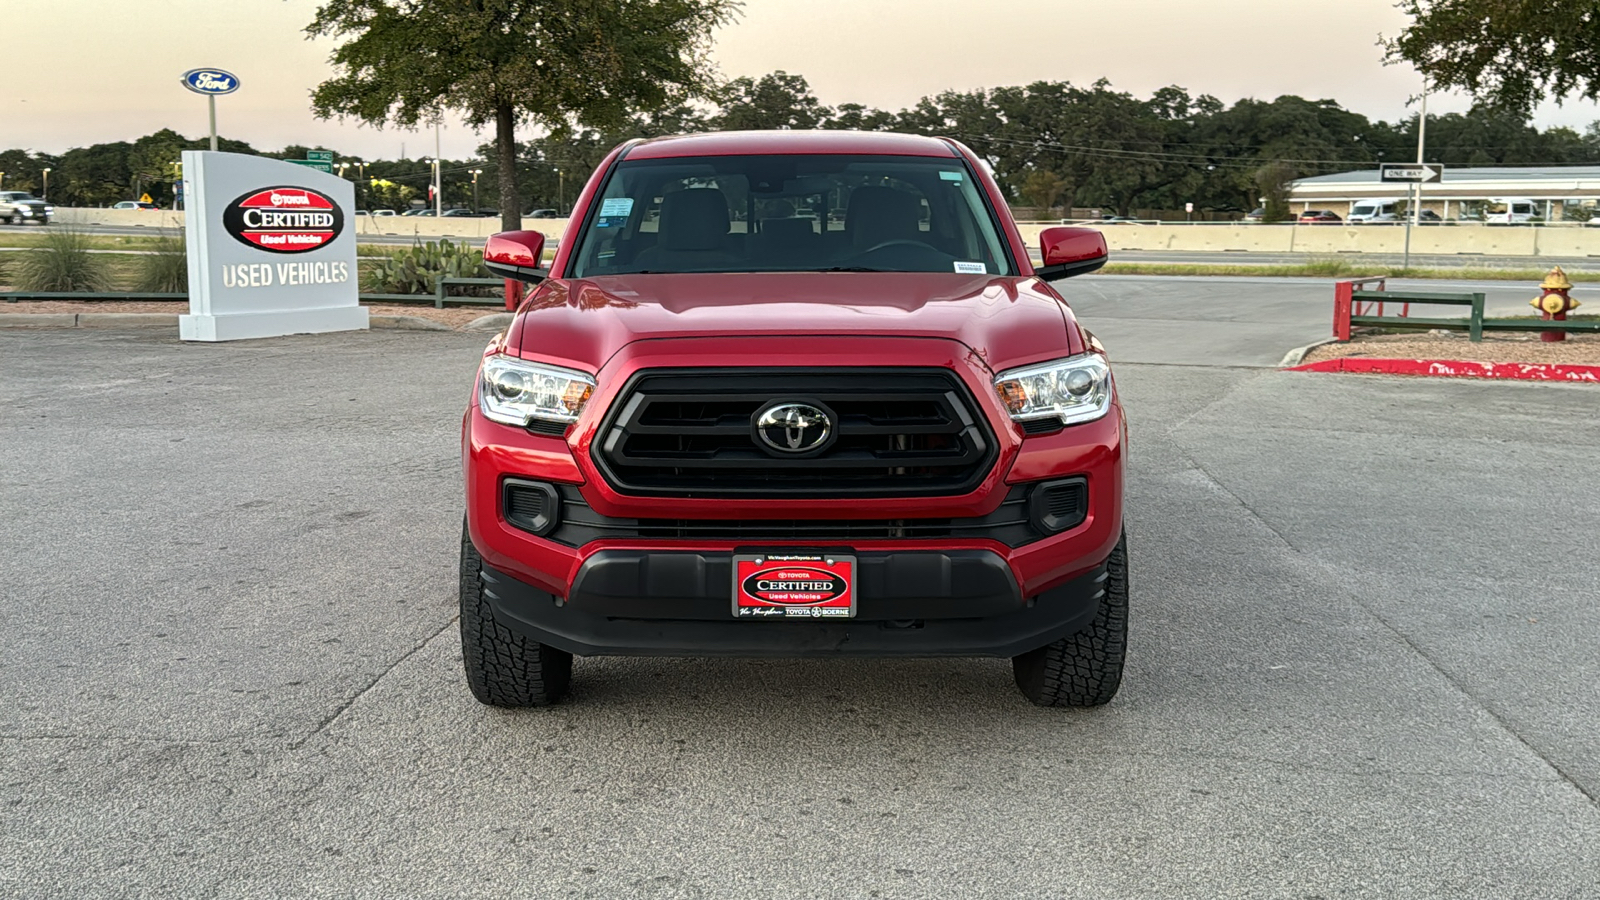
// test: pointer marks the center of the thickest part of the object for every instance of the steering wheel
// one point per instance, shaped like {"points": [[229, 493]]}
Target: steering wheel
{"points": [[896, 242]]}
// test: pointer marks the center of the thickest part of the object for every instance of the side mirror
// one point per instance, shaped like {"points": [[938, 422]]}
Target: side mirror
{"points": [[516, 254], [1070, 251]]}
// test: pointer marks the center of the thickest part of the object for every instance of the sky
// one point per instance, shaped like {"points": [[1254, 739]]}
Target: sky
{"points": [[106, 70]]}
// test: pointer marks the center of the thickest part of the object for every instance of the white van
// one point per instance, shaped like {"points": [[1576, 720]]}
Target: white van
{"points": [[1510, 211], [1374, 212]]}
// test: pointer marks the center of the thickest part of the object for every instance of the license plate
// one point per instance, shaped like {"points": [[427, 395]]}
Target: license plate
{"points": [[794, 586]]}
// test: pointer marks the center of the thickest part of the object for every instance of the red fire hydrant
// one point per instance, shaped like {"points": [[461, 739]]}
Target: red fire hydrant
{"points": [[1555, 302]]}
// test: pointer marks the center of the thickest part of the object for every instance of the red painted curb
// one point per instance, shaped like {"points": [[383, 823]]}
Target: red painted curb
{"points": [[1450, 368]]}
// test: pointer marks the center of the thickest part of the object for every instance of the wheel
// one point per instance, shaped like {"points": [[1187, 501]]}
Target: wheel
{"points": [[1084, 669], [504, 668]]}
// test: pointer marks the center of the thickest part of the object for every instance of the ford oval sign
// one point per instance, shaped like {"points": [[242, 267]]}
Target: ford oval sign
{"points": [[210, 81], [284, 219]]}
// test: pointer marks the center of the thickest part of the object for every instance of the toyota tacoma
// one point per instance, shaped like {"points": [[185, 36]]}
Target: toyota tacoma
{"points": [[723, 424]]}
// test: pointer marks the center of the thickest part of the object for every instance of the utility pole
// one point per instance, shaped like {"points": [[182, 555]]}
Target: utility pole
{"points": [[1415, 218]]}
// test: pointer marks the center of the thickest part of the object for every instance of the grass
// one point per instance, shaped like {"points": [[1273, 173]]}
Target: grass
{"points": [[1339, 268], [164, 271], [60, 262]]}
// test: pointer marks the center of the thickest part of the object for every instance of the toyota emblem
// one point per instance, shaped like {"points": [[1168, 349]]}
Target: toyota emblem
{"points": [[794, 428]]}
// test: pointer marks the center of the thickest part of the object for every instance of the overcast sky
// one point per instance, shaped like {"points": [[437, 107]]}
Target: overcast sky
{"points": [[104, 70]]}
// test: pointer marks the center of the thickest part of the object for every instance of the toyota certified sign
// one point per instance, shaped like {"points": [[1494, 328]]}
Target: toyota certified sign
{"points": [[284, 219], [272, 249]]}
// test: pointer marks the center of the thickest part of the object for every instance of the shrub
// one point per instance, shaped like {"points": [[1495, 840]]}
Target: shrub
{"points": [[61, 262], [164, 270], [414, 269]]}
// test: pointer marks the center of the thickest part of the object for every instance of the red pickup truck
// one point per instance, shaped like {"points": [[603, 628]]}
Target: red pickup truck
{"points": [[794, 394]]}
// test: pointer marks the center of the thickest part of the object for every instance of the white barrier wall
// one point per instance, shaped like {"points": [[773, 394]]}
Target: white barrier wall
{"points": [[1434, 240], [424, 227]]}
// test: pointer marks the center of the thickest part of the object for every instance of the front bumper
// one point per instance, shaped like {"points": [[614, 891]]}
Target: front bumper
{"points": [[677, 603], [628, 575]]}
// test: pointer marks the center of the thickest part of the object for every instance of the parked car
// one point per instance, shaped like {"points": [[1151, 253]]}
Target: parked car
{"points": [[1318, 217], [781, 442], [1256, 216], [459, 213], [543, 214], [135, 204], [20, 207], [380, 213], [419, 211]]}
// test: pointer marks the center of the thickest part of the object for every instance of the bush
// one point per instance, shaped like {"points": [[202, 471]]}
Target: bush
{"points": [[414, 269], [62, 262], [164, 270]]}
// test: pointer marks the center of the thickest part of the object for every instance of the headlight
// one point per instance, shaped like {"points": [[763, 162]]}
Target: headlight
{"points": [[1073, 390], [51, 209], [514, 392]]}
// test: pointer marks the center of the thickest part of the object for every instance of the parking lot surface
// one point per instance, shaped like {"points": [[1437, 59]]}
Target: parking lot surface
{"points": [[1362, 663]]}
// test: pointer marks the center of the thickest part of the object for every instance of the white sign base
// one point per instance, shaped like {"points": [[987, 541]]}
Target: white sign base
{"points": [[272, 249], [243, 326]]}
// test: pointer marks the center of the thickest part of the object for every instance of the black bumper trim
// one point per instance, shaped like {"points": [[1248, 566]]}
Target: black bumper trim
{"points": [[646, 603]]}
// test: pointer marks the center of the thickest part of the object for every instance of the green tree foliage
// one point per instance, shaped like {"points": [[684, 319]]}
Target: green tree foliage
{"points": [[1508, 53], [776, 101], [558, 63]]}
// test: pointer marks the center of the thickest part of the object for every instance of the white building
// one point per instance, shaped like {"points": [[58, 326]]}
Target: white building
{"points": [[1569, 193]]}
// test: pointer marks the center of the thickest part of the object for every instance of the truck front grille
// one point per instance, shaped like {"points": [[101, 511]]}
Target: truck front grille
{"points": [[900, 433]]}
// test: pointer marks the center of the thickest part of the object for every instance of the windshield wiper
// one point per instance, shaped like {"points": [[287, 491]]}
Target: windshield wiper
{"points": [[851, 269]]}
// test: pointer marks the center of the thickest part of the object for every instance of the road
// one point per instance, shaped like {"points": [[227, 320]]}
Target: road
{"points": [[1362, 661]]}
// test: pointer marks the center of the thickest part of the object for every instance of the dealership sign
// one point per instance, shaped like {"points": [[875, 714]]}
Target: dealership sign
{"points": [[269, 250], [284, 219], [210, 81]]}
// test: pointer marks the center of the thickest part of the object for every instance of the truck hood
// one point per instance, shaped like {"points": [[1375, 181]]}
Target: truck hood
{"points": [[1006, 321]]}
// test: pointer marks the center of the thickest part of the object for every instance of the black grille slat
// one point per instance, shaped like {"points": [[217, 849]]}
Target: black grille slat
{"points": [[899, 432], [1009, 523]]}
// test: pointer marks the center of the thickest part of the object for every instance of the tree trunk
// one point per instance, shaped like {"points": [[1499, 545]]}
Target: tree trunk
{"points": [[505, 140]]}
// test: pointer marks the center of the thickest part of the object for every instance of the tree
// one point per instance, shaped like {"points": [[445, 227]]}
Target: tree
{"points": [[558, 63], [776, 101], [1042, 188], [1509, 53]]}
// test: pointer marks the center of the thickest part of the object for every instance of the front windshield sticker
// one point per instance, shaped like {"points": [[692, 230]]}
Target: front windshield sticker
{"points": [[971, 268], [616, 206], [950, 176]]}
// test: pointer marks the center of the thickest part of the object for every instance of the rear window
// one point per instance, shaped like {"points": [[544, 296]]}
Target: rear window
{"points": [[822, 212]]}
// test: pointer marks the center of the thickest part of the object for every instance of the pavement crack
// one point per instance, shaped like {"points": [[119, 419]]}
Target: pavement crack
{"points": [[351, 701]]}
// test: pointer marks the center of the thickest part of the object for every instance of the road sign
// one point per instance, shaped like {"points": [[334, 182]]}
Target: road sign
{"points": [[324, 155], [321, 165], [1411, 173], [146, 199]]}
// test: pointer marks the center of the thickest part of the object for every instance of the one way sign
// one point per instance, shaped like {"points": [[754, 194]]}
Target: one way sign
{"points": [[1412, 173]]}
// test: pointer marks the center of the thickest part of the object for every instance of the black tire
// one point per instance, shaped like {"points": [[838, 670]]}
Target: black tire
{"points": [[1084, 669], [504, 668]]}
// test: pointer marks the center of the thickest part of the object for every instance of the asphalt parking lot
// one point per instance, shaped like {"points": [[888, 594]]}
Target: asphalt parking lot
{"points": [[1363, 659]]}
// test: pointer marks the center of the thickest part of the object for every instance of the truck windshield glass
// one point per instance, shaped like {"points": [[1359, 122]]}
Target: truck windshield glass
{"points": [[799, 213]]}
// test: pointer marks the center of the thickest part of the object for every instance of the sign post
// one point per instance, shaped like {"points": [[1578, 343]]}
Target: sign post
{"points": [[1416, 175], [270, 250], [211, 82]]}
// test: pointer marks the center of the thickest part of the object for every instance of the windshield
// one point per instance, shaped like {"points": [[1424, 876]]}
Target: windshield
{"points": [[19, 196], [794, 213]]}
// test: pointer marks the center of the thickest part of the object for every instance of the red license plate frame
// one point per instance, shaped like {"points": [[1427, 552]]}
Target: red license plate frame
{"points": [[790, 585]]}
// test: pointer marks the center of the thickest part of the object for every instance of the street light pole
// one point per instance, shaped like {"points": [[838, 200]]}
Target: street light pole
{"points": [[46, 184], [1415, 218], [475, 174], [438, 189]]}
